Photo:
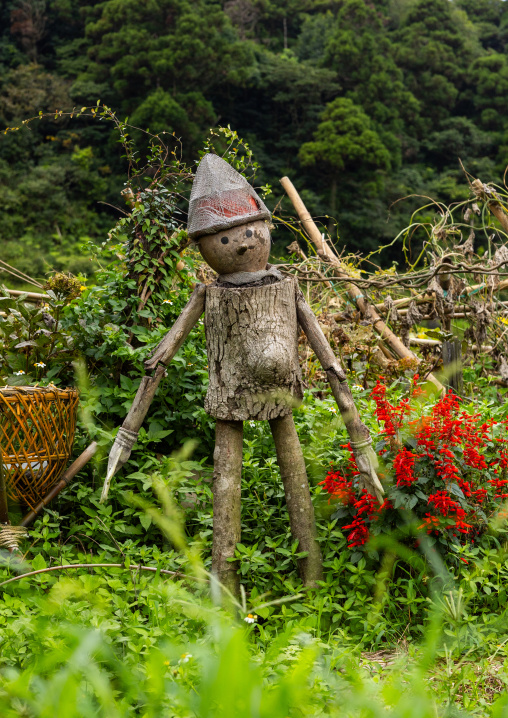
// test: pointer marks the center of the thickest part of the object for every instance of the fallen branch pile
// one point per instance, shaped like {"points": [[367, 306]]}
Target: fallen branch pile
{"points": [[448, 283]]}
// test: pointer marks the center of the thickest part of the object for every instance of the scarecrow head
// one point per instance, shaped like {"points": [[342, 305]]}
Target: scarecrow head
{"points": [[228, 219]]}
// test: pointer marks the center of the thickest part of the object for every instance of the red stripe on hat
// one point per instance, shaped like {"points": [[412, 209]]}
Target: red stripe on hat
{"points": [[228, 204]]}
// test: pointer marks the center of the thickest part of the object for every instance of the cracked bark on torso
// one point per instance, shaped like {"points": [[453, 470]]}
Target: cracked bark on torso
{"points": [[251, 337]]}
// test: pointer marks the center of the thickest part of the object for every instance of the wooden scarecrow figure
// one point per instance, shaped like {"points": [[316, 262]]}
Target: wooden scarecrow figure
{"points": [[252, 318]]}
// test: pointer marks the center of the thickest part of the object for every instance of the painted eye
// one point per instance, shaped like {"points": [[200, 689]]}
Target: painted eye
{"points": [[248, 233], [224, 240]]}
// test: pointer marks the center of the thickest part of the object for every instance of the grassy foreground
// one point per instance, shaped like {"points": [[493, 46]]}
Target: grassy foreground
{"points": [[118, 642]]}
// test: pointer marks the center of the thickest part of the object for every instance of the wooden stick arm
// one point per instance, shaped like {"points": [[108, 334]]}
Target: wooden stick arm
{"points": [[317, 340], [128, 433], [359, 435], [180, 329], [161, 357], [142, 400]]}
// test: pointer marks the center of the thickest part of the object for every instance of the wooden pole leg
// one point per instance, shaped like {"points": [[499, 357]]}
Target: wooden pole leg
{"points": [[227, 477], [296, 488]]}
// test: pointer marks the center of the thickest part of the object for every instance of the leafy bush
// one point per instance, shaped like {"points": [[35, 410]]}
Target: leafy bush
{"points": [[123, 642], [449, 468], [33, 344]]}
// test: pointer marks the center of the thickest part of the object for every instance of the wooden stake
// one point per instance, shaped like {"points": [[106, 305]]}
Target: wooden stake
{"points": [[354, 293], [66, 479], [451, 353], [298, 501], [4, 512], [227, 477]]}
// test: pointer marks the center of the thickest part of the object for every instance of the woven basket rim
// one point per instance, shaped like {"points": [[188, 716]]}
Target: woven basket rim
{"points": [[50, 391]]}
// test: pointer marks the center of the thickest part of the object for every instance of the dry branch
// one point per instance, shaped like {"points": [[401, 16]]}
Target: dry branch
{"points": [[67, 477], [429, 298], [488, 195], [354, 293]]}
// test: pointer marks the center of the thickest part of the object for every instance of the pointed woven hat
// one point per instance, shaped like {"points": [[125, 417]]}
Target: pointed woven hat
{"points": [[221, 198]]}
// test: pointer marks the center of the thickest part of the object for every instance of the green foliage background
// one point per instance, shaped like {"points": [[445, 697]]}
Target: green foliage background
{"points": [[361, 102]]}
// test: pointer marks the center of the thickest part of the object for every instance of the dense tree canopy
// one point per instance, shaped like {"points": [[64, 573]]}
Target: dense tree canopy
{"points": [[360, 101]]}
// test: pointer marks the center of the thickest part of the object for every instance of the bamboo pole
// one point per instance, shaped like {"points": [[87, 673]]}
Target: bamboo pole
{"points": [[353, 291], [67, 477], [425, 342], [465, 312], [30, 296]]}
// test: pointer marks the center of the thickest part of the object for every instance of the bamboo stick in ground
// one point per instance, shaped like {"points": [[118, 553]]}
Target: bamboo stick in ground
{"points": [[227, 478], [66, 479], [354, 293], [299, 504]]}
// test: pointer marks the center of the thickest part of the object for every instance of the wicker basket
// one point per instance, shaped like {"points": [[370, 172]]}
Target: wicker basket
{"points": [[37, 426]]}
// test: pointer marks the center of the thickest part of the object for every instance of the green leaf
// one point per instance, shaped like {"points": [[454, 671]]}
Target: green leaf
{"points": [[38, 562], [145, 521]]}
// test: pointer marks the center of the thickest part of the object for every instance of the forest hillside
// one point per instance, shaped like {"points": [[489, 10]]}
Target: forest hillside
{"points": [[361, 102]]}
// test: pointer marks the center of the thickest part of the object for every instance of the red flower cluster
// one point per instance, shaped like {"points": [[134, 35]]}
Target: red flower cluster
{"points": [[450, 448], [500, 486], [358, 533], [403, 465], [393, 416], [450, 509], [339, 487], [367, 509]]}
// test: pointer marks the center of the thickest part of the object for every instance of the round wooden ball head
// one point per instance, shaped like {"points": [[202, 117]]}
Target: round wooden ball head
{"points": [[244, 248]]}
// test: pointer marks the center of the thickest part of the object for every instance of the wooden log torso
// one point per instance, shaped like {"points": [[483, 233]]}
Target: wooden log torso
{"points": [[252, 346]]}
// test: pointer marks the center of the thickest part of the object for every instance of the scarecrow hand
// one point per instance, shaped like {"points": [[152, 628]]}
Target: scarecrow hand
{"points": [[367, 463], [118, 456]]}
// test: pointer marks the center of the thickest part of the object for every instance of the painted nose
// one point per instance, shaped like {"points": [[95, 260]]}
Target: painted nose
{"points": [[242, 249]]}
